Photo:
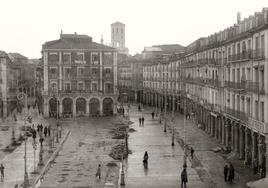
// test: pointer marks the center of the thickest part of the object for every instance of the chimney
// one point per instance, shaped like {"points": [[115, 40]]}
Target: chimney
{"points": [[238, 17], [75, 33]]}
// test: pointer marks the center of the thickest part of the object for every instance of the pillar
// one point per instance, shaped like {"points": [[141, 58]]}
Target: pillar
{"points": [[242, 143], [101, 108], [260, 149], [246, 161], [237, 138], [266, 155], [74, 109], [4, 109], [87, 108], [227, 127], [60, 109], [222, 131], [253, 149], [46, 106], [232, 136]]}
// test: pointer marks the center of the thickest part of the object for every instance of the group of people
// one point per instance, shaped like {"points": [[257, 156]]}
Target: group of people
{"points": [[141, 121], [229, 173]]}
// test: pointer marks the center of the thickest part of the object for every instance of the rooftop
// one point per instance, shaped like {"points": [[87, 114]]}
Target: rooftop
{"points": [[74, 41]]}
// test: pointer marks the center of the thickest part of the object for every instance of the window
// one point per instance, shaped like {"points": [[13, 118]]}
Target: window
{"points": [[54, 86], [53, 57], [95, 58], [94, 72], [66, 58], [108, 88], [94, 87], [53, 72], [256, 110], [107, 72], [80, 71], [67, 72], [80, 56], [81, 86], [67, 86]]}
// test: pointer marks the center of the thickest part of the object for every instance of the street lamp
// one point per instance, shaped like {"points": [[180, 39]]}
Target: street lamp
{"points": [[26, 179], [184, 133]]}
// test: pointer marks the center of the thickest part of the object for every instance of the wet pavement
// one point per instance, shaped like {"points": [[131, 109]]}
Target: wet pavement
{"points": [[165, 162], [88, 145], [208, 164]]}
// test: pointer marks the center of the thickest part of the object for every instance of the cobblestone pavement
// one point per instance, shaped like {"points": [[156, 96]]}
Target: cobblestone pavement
{"points": [[88, 145], [208, 164], [165, 162]]}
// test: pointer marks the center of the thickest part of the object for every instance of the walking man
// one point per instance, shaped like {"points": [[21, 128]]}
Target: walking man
{"points": [[184, 178], [45, 131], [142, 121], [192, 153], [98, 174], [2, 170], [152, 115], [225, 171], [231, 173], [48, 130]]}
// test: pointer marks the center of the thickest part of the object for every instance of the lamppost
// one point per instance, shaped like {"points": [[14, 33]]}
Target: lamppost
{"points": [[34, 147], [184, 134], [165, 123], [26, 179]]}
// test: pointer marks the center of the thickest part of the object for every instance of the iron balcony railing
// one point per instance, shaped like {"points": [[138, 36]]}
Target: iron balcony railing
{"points": [[236, 114]]}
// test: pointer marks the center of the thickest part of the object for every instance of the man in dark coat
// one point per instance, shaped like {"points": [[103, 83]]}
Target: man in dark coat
{"points": [[225, 171], [192, 152], [184, 178], [142, 120], [45, 131], [231, 173]]}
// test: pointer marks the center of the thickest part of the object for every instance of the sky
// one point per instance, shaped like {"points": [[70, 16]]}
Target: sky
{"points": [[27, 24]]}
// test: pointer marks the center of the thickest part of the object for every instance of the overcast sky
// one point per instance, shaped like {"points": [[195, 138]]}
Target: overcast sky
{"points": [[26, 24]]}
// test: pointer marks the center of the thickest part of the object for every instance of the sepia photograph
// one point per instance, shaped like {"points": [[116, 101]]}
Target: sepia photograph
{"points": [[134, 94]]}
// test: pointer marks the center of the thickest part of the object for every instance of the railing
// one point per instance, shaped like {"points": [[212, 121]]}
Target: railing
{"points": [[258, 126], [246, 55], [258, 54], [237, 114]]}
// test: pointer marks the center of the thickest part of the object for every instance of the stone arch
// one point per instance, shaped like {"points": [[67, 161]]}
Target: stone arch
{"points": [[81, 106], [52, 103], [108, 105], [67, 105], [94, 106]]}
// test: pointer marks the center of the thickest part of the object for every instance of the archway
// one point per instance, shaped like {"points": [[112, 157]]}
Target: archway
{"points": [[81, 106], [94, 106], [53, 107], [107, 106], [67, 105]]}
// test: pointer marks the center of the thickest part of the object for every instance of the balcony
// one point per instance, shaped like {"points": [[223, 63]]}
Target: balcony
{"points": [[258, 54], [244, 56], [258, 126], [237, 114]]}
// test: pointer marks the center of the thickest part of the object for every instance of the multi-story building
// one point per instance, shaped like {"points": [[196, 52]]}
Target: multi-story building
{"points": [[81, 75], [222, 82]]}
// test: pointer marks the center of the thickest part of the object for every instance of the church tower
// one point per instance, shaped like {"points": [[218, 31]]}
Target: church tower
{"points": [[118, 37]]}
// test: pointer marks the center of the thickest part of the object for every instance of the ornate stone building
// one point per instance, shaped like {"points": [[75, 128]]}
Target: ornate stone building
{"points": [[222, 82], [81, 75]]}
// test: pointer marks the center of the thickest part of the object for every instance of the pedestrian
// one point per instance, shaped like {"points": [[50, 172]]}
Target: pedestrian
{"points": [[145, 158], [152, 115], [255, 166], [142, 121], [192, 152], [34, 135], [184, 178], [45, 131], [48, 130], [41, 140], [226, 171], [231, 173], [32, 126], [2, 170], [139, 107], [98, 174], [41, 128], [38, 127]]}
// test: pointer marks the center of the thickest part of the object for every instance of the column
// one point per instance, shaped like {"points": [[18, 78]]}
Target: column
{"points": [[60, 72], [242, 143], [87, 108], [46, 108], [222, 130], [211, 125], [232, 136], [237, 138], [253, 149], [60, 108], [247, 149], [101, 108], [74, 109], [260, 148], [4, 109], [227, 127], [266, 155], [217, 127]]}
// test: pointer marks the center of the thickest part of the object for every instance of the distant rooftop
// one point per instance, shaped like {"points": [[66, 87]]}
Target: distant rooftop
{"points": [[75, 41], [117, 23]]}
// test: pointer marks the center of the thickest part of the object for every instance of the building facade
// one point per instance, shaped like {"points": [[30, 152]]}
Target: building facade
{"points": [[222, 82], [81, 75]]}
